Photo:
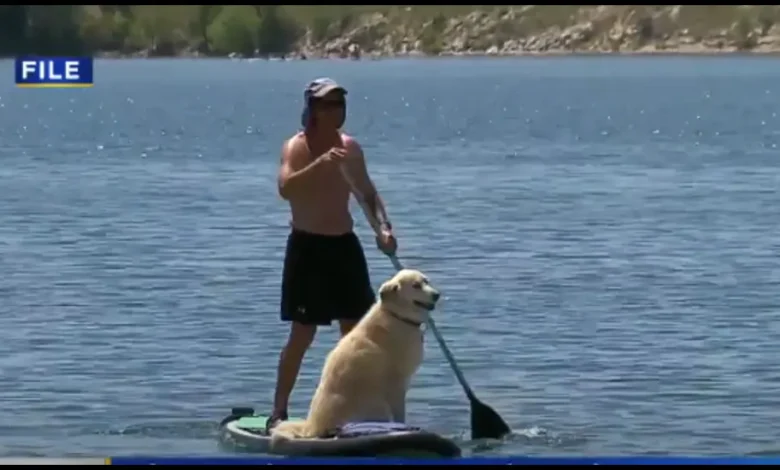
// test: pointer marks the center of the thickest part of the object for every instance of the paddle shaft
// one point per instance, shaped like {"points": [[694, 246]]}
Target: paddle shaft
{"points": [[444, 349], [485, 422], [376, 226]]}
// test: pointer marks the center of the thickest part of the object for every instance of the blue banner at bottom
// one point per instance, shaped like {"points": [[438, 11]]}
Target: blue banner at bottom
{"points": [[463, 461]]}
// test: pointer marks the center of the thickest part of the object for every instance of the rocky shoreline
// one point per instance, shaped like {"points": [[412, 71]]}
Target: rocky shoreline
{"points": [[601, 32], [692, 49], [529, 30]]}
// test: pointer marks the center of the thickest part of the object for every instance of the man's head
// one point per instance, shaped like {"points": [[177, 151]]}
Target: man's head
{"points": [[325, 104]]}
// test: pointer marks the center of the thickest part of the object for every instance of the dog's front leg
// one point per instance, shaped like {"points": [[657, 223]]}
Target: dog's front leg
{"points": [[397, 401]]}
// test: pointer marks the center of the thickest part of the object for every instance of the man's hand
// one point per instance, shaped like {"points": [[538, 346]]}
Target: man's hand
{"points": [[335, 155], [386, 242]]}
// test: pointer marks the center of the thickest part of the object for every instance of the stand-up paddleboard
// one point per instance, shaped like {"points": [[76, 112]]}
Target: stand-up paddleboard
{"points": [[244, 430]]}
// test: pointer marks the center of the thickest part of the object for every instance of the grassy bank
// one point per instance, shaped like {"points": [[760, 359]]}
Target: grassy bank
{"points": [[358, 30]]}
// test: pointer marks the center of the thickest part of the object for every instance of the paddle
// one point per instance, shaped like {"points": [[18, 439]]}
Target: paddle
{"points": [[485, 422]]}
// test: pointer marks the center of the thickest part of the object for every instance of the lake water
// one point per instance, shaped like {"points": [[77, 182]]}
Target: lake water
{"points": [[604, 231]]}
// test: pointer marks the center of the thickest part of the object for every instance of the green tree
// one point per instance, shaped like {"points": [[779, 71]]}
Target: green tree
{"points": [[53, 30], [234, 29], [200, 24], [13, 29], [277, 33], [105, 31]]}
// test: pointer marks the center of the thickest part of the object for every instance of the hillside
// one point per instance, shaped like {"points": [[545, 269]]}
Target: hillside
{"points": [[382, 31], [536, 29]]}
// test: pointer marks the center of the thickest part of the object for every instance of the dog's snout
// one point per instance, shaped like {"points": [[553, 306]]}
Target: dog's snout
{"points": [[435, 296]]}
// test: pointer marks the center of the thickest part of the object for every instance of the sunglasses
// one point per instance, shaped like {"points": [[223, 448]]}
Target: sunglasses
{"points": [[330, 104]]}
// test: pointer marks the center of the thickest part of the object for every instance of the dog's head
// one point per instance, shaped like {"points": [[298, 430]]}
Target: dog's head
{"points": [[409, 294]]}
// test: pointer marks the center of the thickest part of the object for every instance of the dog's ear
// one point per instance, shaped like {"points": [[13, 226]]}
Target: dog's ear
{"points": [[387, 289]]}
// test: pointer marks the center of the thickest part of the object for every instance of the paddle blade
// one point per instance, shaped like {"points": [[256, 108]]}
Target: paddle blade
{"points": [[486, 423]]}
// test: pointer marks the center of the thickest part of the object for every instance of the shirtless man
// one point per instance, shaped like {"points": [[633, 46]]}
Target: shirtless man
{"points": [[325, 274]]}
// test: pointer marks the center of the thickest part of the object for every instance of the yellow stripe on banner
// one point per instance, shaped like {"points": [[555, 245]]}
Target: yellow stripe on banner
{"points": [[54, 85], [52, 461]]}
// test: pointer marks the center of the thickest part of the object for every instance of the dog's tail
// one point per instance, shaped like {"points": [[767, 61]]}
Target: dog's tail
{"points": [[287, 430]]}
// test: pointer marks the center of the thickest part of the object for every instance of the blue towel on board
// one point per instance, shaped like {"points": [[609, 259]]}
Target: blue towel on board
{"points": [[373, 428]]}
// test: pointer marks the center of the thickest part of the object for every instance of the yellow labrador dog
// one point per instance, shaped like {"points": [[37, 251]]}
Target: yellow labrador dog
{"points": [[366, 376]]}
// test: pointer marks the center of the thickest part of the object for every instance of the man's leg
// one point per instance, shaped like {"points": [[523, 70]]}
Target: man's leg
{"points": [[354, 295], [298, 292], [290, 359]]}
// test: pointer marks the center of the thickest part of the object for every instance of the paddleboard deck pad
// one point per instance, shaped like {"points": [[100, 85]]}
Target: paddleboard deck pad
{"points": [[244, 430]]}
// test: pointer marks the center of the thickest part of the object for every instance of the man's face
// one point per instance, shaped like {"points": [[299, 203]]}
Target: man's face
{"points": [[330, 110]]}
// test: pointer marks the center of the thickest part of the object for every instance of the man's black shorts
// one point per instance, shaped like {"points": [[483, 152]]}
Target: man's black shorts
{"points": [[325, 278]]}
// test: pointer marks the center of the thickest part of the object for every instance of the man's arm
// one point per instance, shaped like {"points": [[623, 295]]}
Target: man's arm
{"points": [[296, 169], [358, 173]]}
